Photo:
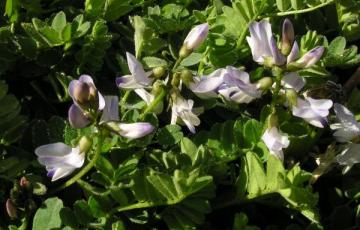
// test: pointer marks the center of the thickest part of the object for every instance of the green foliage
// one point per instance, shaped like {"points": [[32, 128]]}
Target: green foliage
{"points": [[94, 48], [348, 17], [48, 215], [57, 33], [260, 181], [12, 123], [338, 55]]}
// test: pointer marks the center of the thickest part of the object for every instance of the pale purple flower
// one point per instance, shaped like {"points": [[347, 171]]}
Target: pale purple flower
{"points": [[293, 80], [310, 58], [288, 37], [86, 98], [263, 45], [138, 78], [110, 118], [207, 86], [294, 53], [183, 112], [111, 110], [60, 159], [348, 127], [349, 156], [275, 142], [196, 36], [314, 111], [237, 86]]}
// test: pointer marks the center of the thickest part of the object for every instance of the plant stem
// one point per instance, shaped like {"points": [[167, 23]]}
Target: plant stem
{"points": [[305, 10], [177, 63], [124, 99], [84, 170], [153, 104]]}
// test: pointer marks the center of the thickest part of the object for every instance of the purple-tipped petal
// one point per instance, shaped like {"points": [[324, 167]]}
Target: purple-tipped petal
{"points": [[206, 86], [196, 36], [101, 101], [275, 142], [287, 37], [72, 87], [311, 57], [278, 57], [77, 118], [86, 78], [294, 53], [135, 130], [111, 110]]}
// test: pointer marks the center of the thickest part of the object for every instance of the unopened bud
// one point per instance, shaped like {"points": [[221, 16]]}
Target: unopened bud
{"points": [[159, 71], [11, 209], [157, 88], [291, 96], [175, 81], [184, 52], [85, 144], [288, 37], [264, 83], [82, 92], [26, 184], [186, 76], [196, 36]]}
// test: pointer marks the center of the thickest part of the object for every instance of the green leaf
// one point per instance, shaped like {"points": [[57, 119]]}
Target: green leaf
{"points": [[283, 5], [47, 217], [59, 22], [110, 10], [192, 59], [82, 212], [338, 55], [151, 62], [252, 132], [12, 8], [170, 135]]}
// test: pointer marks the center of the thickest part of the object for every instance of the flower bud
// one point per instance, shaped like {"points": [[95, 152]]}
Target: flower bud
{"points": [[26, 184], [157, 87], [291, 96], [184, 52], [264, 83], [159, 71], [186, 76], [11, 209], [85, 144], [310, 58], [175, 81], [272, 121], [196, 36], [82, 92], [288, 37]]}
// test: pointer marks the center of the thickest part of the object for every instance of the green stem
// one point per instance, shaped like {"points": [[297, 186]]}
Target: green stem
{"points": [[153, 104], [177, 63], [84, 170], [276, 92], [124, 99], [304, 10]]}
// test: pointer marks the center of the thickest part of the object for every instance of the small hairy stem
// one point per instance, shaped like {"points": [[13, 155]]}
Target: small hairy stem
{"points": [[153, 104], [124, 99], [84, 170], [177, 63]]}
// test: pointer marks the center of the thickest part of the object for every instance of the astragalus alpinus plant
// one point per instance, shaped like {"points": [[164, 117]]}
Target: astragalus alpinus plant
{"points": [[181, 114]]}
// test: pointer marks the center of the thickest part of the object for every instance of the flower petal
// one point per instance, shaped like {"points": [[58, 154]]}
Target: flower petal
{"points": [[135, 130], [54, 149], [294, 81], [111, 110], [77, 118], [137, 70]]}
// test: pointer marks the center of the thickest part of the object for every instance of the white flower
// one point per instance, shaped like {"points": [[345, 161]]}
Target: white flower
{"points": [[148, 98], [263, 45], [196, 36], [348, 127], [237, 86], [292, 80], [207, 86], [313, 111], [183, 111], [138, 78], [349, 156], [275, 142], [135, 130], [110, 118], [59, 159]]}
